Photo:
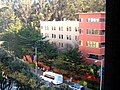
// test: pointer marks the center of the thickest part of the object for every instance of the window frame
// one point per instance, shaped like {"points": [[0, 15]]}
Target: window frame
{"points": [[53, 35], [60, 36], [81, 20], [68, 37], [80, 43], [102, 20]]}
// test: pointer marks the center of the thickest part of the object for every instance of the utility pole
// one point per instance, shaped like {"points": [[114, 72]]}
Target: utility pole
{"points": [[101, 66], [101, 75], [35, 59]]}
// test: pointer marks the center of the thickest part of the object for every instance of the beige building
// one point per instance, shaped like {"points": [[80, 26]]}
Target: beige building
{"points": [[63, 34]]}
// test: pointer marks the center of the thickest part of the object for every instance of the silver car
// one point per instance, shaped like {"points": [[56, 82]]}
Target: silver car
{"points": [[76, 86]]}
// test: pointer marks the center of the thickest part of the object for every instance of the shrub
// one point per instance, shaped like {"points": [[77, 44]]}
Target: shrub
{"points": [[83, 83]]}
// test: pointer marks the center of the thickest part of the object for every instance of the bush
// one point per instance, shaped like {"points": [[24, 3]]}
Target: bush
{"points": [[92, 84], [32, 65], [83, 83]]}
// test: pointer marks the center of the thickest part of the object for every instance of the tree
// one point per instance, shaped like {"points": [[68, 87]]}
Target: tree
{"points": [[59, 9], [21, 41], [30, 15], [31, 38], [25, 40], [69, 60], [90, 5], [18, 72], [4, 17], [93, 69]]}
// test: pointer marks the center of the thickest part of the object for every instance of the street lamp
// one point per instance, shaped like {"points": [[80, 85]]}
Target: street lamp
{"points": [[101, 63], [35, 58]]}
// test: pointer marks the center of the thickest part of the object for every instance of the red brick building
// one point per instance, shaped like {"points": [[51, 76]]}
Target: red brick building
{"points": [[92, 35]]}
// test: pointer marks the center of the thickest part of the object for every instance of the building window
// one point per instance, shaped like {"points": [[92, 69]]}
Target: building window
{"points": [[68, 37], [68, 28], [88, 20], [41, 27], [93, 56], [103, 56], [60, 36], [46, 35], [97, 57], [76, 38], [89, 31], [76, 29], [53, 43], [92, 20], [46, 28], [54, 28], [53, 36], [92, 31], [92, 44], [60, 44], [102, 32], [81, 43], [96, 32], [102, 44], [102, 20], [68, 46], [81, 19], [41, 34], [80, 31], [60, 28]]}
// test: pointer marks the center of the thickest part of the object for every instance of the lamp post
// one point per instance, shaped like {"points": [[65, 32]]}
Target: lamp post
{"points": [[101, 63], [35, 58]]}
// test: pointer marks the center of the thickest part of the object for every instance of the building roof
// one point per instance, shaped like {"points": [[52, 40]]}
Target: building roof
{"points": [[52, 73], [92, 13]]}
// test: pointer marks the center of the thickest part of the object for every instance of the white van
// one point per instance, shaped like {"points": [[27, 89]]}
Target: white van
{"points": [[52, 77]]}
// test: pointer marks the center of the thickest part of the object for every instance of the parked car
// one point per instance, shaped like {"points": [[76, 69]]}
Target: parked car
{"points": [[76, 86], [52, 77]]}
